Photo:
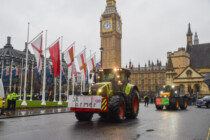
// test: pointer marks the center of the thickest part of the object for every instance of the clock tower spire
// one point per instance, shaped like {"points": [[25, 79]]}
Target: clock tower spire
{"points": [[111, 34]]}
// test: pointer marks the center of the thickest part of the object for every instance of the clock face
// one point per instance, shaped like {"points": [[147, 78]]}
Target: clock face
{"points": [[107, 25], [118, 26]]}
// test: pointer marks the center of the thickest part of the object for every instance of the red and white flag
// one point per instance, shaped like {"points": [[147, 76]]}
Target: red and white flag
{"points": [[55, 58], [75, 71], [69, 58], [37, 48], [81, 58], [92, 63]]}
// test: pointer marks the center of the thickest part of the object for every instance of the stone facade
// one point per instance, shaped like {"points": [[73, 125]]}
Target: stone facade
{"points": [[111, 34], [148, 79], [189, 67]]}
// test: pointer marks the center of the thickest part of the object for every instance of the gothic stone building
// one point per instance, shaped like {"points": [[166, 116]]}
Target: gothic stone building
{"points": [[189, 67], [149, 78]]}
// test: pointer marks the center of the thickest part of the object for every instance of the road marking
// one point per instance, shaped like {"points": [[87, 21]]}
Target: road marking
{"points": [[207, 138]]}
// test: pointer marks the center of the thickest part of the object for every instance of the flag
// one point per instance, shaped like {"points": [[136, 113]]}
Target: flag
{"points": [[98, 66], [37, 48], [38, 75], [49, 74], [75, 71], [7, 71], [81, 58], [55, 57], [92, 63], [64, 81], [6, 77], [15, 76], [63, 78], [69, 58]]}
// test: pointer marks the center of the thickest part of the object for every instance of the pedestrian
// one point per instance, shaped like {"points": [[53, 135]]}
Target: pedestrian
{"points": [[14, 96], [146, 101], [9, 101]]}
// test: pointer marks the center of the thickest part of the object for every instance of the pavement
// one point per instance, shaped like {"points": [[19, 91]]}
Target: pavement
{"points": [[34, 112]]}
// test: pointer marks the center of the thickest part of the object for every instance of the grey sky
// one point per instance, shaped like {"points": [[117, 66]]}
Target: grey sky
{"points": [[151, 28]]}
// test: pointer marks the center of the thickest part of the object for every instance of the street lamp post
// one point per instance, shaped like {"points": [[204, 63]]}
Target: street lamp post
{"points": [[101, 49]]}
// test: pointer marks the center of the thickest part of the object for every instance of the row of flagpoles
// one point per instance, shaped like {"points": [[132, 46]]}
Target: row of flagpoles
{"points": [[56, 52]]}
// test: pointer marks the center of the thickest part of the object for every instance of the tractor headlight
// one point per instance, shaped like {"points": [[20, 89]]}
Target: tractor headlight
{"points": [[100, 90]]}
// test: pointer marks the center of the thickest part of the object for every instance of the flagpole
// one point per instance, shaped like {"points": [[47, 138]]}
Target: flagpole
{"points": [[60, 102], [35, 37], [81, 85], [32, 76], [73, 80], [2, 69], [21, 81], [44, 74], [69, 47], [51, 44], [25, 82], [55, 83], [67, 95], [10, 78]]}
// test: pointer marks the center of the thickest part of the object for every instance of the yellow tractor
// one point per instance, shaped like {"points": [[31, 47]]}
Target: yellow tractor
{"points": [[171, 97], [112, 97]]}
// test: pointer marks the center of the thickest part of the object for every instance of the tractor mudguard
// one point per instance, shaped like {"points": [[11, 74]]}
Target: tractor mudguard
{"points": [[130, 88], [128, 91]]}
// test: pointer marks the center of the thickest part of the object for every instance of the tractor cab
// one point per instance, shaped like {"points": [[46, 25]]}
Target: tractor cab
{"points": [[169, 91], [117, 76]]}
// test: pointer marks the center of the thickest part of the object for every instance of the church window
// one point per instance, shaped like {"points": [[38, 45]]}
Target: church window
{"points": [[142, 75], [136, 82], [149, 88], [142, 81], [149, 81], [163, 81], [189, 73], [156, 75], [156, 82]]}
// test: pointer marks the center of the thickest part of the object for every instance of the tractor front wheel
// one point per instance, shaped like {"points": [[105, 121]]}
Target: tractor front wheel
{"points": [[84, 116], [117, 109], [134, 108]]}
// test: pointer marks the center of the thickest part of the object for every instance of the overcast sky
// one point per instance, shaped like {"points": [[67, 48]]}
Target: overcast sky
{"points": [[150, 28]]}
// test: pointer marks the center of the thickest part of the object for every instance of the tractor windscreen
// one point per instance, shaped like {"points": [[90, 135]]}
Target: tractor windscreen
{"points": [[112, 76], [173, 90]]}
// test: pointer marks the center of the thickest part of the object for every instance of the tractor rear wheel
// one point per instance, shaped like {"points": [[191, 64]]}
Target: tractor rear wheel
{"points": [[184, 104], [117, 109], [159, 107], [176, 104], [84, 116], [134, 108]]}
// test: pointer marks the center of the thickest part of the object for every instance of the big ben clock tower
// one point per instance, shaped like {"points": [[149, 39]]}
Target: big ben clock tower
{"points": [[111, 34]]}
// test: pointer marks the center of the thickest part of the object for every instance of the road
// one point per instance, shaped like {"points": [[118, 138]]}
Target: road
{"points": [[191, 124]]}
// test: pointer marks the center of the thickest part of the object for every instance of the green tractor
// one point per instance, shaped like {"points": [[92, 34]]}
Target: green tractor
{"points": [[112, 97], [171, 97]]}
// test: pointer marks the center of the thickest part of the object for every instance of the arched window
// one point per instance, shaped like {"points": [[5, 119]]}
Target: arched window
{"points": [[189, 73]]}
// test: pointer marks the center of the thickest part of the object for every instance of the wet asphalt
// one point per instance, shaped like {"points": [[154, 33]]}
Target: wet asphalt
{"points": [[190, 124]]}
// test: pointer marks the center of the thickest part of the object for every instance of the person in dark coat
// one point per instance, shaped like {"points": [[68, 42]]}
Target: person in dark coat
{"points": [[146, 101]]}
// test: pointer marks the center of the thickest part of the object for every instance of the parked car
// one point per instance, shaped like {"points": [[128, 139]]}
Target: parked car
{"points": [[205, 101]]}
